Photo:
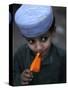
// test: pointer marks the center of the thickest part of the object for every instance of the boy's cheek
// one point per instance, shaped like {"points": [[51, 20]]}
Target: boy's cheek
{"points": [[47, 44], [44, 46], [31, 46]]}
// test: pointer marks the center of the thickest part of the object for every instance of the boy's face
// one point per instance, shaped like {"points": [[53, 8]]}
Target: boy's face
{"points": [[40, 44]]}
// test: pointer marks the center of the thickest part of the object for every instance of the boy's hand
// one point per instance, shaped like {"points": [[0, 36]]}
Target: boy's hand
{"points": [[26, 77]]}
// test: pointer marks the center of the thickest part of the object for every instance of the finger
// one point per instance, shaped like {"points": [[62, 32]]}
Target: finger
{"points": [[26, 79], [27, 71], [28, 75]]}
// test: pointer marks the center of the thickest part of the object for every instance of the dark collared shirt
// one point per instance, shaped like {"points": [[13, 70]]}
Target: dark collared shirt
{"points": [[53, 66]]}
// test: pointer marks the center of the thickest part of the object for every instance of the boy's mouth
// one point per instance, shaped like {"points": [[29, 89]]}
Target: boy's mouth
{"points": [[43, 51]]}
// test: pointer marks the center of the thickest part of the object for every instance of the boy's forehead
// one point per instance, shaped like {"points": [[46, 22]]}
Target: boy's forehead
{"points": [[43, 35]]}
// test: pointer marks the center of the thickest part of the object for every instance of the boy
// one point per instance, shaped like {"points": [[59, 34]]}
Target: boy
{"points": [[37, 25]]}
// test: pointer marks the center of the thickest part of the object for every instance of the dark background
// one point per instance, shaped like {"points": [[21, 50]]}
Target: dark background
{"points": [[59, 38]]}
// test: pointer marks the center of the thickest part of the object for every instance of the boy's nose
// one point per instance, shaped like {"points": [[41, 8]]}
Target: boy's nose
{"points": [[38, 47]]}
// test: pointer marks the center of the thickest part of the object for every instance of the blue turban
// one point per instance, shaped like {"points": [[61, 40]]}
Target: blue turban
{"points": [[34, 20]]}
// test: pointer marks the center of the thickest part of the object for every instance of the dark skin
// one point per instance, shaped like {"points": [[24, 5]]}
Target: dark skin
{"points": [[44, 43], [26, 77], [39, 44]]}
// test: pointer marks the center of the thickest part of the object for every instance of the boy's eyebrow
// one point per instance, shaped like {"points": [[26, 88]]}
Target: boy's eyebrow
{"points": [[43, 35], [37, 37], [30, 38], [47, 34]]}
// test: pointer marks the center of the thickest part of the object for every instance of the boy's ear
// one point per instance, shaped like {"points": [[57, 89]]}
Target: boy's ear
{"points": [[54, 31], [55, 28]]}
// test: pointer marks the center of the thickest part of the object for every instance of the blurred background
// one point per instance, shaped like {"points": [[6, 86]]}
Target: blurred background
{"points": [[60, 35]]}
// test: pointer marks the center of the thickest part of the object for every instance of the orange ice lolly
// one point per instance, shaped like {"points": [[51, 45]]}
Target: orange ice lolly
{"points": [[35, 66]]}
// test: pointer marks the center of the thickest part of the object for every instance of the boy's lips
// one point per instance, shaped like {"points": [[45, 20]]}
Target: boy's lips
{"points": [[43, 51]]}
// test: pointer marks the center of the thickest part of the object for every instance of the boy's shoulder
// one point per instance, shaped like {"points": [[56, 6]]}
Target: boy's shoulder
{"points": [[61, 52], [21, 50]]}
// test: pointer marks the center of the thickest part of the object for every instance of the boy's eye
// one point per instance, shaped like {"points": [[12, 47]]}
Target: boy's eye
{"points": [[31, 41], [44, 39]]}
